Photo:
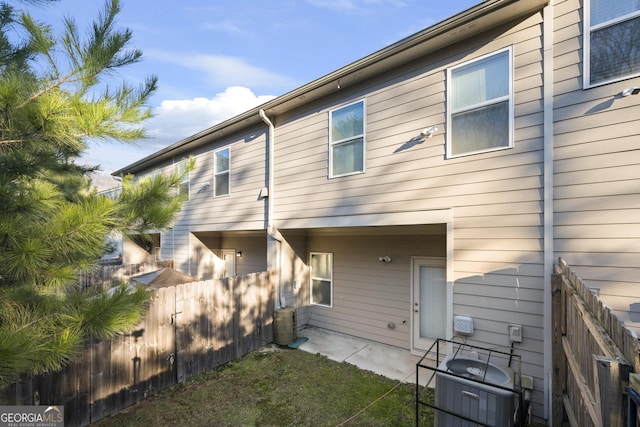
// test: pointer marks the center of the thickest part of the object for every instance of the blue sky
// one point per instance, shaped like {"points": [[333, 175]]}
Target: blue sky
{"points": [[218, 58]]}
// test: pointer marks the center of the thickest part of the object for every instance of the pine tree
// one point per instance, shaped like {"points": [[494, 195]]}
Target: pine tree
{"points": [[56, 94]]}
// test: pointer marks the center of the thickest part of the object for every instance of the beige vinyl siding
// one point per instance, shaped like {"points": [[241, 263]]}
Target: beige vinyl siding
{"points": [[414, 175], [496, 199], [493, 201], [242, 209], [294, 275], [206, 253], [204, 256], [597, 170], [368, 294], [175, 246], [253, 248]]}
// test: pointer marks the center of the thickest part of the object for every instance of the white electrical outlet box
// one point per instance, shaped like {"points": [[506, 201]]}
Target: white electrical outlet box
{"points": [[515, 333], [463, 325]]}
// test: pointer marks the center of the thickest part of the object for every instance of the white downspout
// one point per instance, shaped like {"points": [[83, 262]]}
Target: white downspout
{"points": [[270, 162], [273, 234], [549, 257]]}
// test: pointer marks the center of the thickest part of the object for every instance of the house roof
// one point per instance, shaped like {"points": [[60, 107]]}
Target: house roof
{"points": [[482, 17]]}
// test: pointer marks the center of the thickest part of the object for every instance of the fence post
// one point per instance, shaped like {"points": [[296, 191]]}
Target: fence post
{"points": [[559, 370], [609, 374]]}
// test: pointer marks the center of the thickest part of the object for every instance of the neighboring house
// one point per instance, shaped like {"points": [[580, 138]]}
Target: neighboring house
{"points": [[130, 250], [441, 176]]}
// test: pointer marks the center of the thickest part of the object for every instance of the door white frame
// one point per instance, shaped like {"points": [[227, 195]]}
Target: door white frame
{"points": [[420, 345], [228, 254]]}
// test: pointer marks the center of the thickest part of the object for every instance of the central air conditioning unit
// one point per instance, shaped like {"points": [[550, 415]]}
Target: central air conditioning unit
{"points": [[474, 389]]}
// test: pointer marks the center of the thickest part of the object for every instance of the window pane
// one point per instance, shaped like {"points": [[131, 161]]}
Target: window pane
{"points": [[606, 10], [321, 292], [480, 129], [321, 266], [221, 184], [347, 122], [348, 157], [222, 160], [182, 166], [480, 81], [433, 295], [615, 51], [183, 188]]}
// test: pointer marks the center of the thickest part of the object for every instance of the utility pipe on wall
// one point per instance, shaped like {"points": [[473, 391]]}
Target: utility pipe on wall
{"points": [[273, 248], [270, 152], [549, 255]]}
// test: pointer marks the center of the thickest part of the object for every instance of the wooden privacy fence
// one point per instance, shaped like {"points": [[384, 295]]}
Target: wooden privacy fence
{"points": [[110, 275], [187, 330], [593, 354]]}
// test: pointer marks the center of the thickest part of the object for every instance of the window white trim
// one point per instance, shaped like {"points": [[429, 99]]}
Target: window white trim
{"points": [[509, 98], [333, 144], [329, 279], [586, 38], [217, 173]]}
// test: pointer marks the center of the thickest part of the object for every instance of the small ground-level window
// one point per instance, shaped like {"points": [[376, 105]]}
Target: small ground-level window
{"points": [[321, 279]]}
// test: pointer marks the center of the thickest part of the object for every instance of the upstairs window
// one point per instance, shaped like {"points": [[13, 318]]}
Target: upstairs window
{"points": [[183, 187], [346, 140], [322, 279], [480, 105], [221, 169], [612, 32]]}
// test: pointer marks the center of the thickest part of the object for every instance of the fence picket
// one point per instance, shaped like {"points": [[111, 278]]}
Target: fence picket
{"points": [[596, 357], [207, 330]]}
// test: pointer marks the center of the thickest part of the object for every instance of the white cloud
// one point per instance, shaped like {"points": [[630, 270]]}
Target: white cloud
{"points": [[226, 26], [354, 6], [178, 119], [230, 71], [225, 71], [174, 121]]}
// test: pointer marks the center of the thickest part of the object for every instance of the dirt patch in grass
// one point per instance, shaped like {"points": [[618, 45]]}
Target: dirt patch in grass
{"points": [[279, 387]]}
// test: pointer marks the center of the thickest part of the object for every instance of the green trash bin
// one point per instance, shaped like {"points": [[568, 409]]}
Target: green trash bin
{"points": [[285, 326]]}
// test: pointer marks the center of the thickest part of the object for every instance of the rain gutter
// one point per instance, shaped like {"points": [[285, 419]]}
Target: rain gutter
{"points": [[482, 17]]}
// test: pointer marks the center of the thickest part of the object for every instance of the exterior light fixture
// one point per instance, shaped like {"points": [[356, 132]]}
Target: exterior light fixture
{"points": [[428, 132], [631, 91], [239, 254]]}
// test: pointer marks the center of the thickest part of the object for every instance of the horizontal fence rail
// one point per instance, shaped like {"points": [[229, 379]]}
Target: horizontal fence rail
{"points": [[110, 275]]}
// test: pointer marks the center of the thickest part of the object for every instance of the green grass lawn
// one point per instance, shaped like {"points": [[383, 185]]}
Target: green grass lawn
{"points": [[279, 387]]}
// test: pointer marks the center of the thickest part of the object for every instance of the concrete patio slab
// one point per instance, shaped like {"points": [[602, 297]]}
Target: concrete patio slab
{"points": [[386, 360], [337, 347]]}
